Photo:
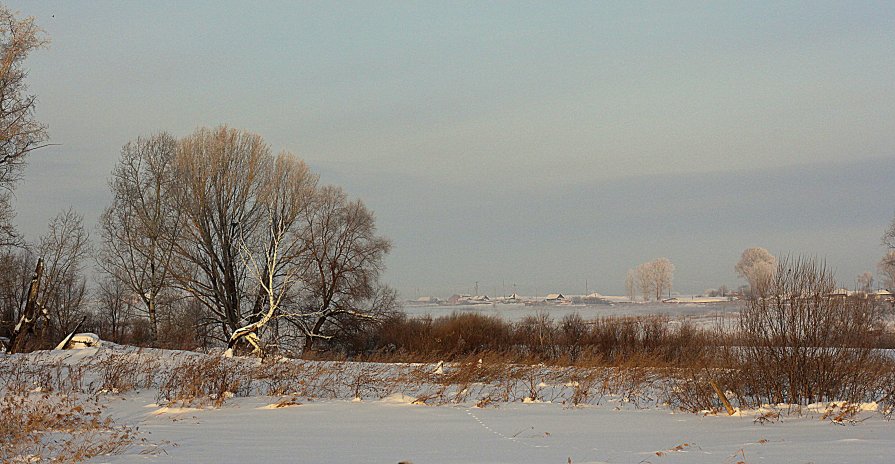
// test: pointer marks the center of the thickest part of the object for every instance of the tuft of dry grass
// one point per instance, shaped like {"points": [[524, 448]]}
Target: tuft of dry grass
{"points": [[204, 380], [48, 427]]}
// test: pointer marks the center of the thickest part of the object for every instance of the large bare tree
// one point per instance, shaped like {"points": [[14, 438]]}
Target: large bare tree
{"points": [[285, 201], [20, 132], [138, 231], [342, 268], [219, 175]]}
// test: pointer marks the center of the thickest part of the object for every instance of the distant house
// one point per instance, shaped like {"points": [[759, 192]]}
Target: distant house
{"points": [[840, 293], [555, 298], [594, 298], [883, 294]]}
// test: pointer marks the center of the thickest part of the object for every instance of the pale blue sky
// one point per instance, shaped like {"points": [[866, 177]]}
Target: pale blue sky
{"points": [[536, 143]]}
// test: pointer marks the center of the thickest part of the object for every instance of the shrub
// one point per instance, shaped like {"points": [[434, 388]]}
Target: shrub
{"points": [[802, 344]]}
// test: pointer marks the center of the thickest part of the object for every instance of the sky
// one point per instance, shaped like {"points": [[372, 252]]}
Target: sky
{"points": [[546, 145]]}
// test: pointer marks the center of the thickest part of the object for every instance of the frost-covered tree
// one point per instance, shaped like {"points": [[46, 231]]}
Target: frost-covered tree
{"points": [[662, 273], [865, 282], [757, 266], [654, 278], [889, 236], [644, 280], [631, 284]]}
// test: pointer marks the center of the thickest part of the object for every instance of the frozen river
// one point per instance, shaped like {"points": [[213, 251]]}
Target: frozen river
{"points": [[513, 312]]}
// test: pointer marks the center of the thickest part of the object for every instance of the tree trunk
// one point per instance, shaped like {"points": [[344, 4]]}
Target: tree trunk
{"points": [[153, 322], [25, 326], [309, 338]]}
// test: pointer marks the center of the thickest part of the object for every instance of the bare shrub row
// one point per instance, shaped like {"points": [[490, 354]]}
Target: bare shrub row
{"points": [[651, 340]]}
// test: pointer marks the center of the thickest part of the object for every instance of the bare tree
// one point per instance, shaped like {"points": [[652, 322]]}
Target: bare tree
{"points": [[342, 268], [662, 274], [20, 133], [219, 174], [865, 282], [654, 278], [889, 236], [16, 268], [886, 268], [285, 202], [138, 231], [116, 302], [631, 284], [757, 266], [644, 280], [63, 289]]}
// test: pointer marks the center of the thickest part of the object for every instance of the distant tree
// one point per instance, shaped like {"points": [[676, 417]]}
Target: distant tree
{"points": [[757, 266], [654, 278], [20, 132], [865, 282], [662, 273], [631, 284], [889, 236], [644, 280], [886, 269], [138, 231], [720, 291]]}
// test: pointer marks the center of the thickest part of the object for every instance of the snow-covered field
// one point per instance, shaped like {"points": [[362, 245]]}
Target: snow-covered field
{"points": [[327, 412], [392, 431]]}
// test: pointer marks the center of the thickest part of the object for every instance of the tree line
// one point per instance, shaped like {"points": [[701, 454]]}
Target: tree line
{"points": [[208, 238]]}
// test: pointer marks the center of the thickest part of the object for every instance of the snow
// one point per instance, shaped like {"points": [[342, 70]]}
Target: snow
{"points": [[248, 430], [84, 340], [373, 426]]}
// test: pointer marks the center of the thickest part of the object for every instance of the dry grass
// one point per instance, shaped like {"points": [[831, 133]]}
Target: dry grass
{"points": [[46, 427]]}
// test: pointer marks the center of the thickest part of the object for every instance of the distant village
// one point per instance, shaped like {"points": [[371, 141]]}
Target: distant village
{"points": [[550, 299], [558, 299]]}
